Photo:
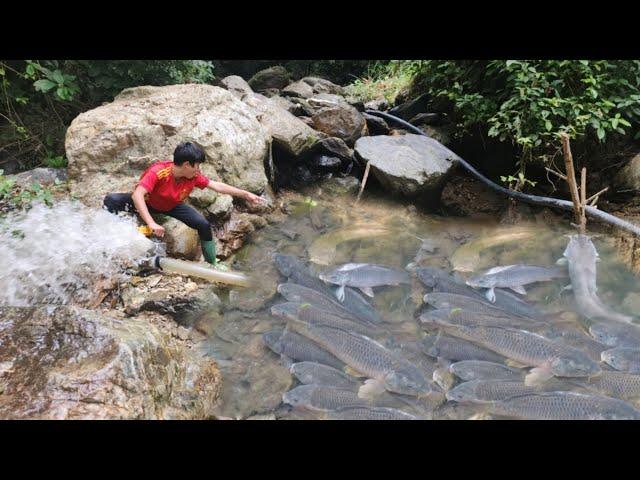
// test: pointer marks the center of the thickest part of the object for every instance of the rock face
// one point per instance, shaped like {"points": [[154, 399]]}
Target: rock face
{"points": [[409, 164], [343, 121], [292, 134], [629, 176], [110, 146], [274, 77], [298, 89], [69, 363], [236, 85], [320, 85]]}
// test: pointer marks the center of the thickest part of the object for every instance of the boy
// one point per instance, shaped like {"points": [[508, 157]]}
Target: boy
{"points": [[162, 189]]}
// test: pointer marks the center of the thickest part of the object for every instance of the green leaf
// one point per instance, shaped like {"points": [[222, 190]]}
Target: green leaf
{"points": [[548, 125], [44, 85], [58, 77], [601, 133]]}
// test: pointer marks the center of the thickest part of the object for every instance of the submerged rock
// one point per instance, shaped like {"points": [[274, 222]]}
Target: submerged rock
{"points": [[69, 363], [409, 164]]}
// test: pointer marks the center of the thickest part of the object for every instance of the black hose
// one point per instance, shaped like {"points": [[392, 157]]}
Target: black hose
{"points": [[535, 199]]}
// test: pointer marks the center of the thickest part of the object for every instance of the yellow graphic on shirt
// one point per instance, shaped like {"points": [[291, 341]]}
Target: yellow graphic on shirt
{"points": [[163, 173]]}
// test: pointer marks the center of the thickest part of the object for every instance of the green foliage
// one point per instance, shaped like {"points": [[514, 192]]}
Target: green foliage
{"points": [[56, 162], [6, 186], [14, 197], [529, 103], [517, 183], [383, 80]]}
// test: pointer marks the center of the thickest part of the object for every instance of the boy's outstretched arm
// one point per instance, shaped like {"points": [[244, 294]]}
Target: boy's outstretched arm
{"points": [[235, 192]]}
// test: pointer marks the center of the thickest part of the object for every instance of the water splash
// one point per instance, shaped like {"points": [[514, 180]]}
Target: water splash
{"points": [[56, 254]]}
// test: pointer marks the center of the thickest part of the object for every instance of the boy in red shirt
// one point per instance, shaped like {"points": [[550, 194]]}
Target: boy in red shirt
{"points": [[163, 187]]}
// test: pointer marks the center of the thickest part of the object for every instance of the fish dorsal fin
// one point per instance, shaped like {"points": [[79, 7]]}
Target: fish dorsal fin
{"points": [[499, 269]]}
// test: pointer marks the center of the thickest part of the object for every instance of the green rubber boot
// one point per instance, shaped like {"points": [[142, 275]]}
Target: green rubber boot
{"points": [[209, 253]]}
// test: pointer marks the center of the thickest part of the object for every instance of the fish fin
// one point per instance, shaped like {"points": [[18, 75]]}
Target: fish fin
{"points": [[286, 361], [340, 293], [354, 373], [491, 295], [562, 261], [519, 289], [480, 416], [537, 377], [512, 363], [371, 389], [367, 291], [567, 287]]}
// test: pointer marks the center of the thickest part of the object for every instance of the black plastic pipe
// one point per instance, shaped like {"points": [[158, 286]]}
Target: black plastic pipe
{"points": [[535, 199]]}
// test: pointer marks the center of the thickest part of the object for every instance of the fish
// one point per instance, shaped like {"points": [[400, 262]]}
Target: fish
{"points": [[616, 334], [298, 273], [458, 316], [322, 398], [514, 277], [370, 413], [323, 249], [295, 347], [480, 391], [364, 276], [301, 294], [614, 384], [548, 357], [385, 369], [466, 257], [439, 281], [452, 301], [307, 313], [468, 370], [564, 406], [456, 349], [312, 373], [623, 358], [581, 256]]}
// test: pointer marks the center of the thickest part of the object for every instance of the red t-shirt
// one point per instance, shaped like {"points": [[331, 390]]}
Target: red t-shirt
{"points": [[165, 192]]}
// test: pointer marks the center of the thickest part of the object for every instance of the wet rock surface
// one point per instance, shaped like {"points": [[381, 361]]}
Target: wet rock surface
{"points": [[72, 363]]}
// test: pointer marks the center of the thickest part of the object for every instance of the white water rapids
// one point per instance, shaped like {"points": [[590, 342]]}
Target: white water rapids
{"points": [[50, 255]]}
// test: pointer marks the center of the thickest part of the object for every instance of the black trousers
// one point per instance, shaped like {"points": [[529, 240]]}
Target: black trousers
{"points": [[122, 202]]}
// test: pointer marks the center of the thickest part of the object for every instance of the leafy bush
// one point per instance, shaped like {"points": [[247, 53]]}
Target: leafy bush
{"points": [[383, 80], [12, 196], [529, 103]]}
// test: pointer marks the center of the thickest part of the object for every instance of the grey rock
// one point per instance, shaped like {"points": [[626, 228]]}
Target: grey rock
{"points": [[273, 77]]}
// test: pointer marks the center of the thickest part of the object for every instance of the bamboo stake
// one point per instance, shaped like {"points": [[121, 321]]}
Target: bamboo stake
{"points": [[571, 176], [364, 182], [563, 177], [583, 201], [595, 196]]}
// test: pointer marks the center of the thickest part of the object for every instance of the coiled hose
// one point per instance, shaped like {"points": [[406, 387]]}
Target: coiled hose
{"points": [[535, 199]]}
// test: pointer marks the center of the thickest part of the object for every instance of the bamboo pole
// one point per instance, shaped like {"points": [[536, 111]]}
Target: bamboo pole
{"points": [[364, 182], [583, 201], [571, 176]]}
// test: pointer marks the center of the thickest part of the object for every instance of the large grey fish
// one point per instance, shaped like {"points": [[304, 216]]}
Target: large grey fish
{"points": [[385, 369], [312, 373], [452, 300], [322, 398], [614, 384], [298, 273], [514, 277], [459, 316], [564, 406], [623, 359], [439, 281], [575, 339], [582, 256], [363, 276], [480, 391], [456, 349], [305, 312], [301, 294], [616, 334], [550, 358], [369, 413], [298, 348], [468, 370]]}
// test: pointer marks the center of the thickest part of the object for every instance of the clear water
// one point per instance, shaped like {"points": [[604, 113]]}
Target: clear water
{"points": [[254, 378]]}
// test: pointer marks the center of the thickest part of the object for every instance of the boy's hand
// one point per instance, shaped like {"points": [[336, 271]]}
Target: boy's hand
{"points": [[254, 199], [157, 229]]}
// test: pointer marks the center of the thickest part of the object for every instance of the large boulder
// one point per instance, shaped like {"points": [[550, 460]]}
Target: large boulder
{"points": [[109, 147], [410, 109], [342, 121], [270, 78], [298, 89], [410, 165], [70, 363], [42, 176], [289, 132], [320, 85], [182, 241], [629, 176], [236, 85]]}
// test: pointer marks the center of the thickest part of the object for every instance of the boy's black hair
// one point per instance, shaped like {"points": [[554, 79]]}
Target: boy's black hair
{"points": [[188, 152]]}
